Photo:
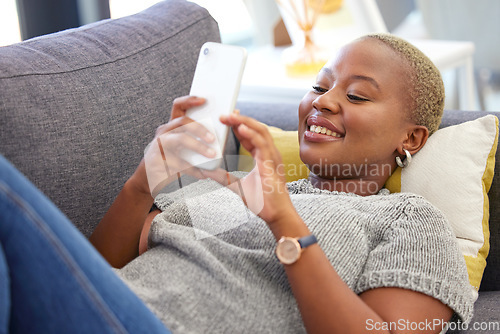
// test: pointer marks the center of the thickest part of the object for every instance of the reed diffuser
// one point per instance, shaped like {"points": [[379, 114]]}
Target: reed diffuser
{"points": [[304, 57]]}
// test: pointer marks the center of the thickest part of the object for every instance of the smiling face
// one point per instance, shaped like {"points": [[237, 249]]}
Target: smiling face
{"points": [[354, 120]]}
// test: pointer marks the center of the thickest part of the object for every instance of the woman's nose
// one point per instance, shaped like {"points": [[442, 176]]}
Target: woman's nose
{"points": [[326, 102]]}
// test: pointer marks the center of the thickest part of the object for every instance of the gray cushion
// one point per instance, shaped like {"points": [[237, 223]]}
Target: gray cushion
{"points": [[282, 115], [77, 108]]}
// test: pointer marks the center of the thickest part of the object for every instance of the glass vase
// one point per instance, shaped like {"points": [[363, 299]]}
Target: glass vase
{"points": [[304, 57]]}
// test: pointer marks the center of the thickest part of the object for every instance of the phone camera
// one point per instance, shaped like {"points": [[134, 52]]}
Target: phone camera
{"points": [[205, 52]]}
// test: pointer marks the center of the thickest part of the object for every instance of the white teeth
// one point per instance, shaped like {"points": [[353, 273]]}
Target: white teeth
{"points": [[323, 130]]}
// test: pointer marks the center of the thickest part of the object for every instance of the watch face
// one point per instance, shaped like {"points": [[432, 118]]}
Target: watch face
{"points": [[288, 250]]}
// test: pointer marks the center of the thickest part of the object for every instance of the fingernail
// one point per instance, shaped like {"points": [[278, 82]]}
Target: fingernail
{"points": [[209, 137], [211, 152]]}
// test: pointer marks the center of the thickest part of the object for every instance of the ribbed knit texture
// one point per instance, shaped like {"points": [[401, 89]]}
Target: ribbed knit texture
{"points": [[212, 269]]}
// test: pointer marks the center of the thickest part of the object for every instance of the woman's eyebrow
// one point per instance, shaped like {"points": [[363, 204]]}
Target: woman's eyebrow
{"points": [[365, 78], [326, 71], [355, 77]]}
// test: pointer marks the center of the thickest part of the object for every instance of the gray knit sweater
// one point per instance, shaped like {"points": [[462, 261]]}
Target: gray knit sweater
{"points": [[211, 266]]}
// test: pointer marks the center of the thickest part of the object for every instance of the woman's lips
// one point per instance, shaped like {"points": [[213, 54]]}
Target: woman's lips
{"points": [[320, 129]]}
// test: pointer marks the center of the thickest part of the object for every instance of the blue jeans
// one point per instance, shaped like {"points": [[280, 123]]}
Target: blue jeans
{"points": [[51, 278]]}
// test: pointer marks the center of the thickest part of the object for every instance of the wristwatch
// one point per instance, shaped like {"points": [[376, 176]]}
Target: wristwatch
{"points": [[289, 249]]}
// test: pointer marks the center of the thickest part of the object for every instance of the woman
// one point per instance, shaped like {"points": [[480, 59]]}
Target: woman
{"points": [[367, 260]]}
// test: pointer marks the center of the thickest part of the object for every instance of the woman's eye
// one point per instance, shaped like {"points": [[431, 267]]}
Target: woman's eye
{"points": [[319, 89], [356, 98]]}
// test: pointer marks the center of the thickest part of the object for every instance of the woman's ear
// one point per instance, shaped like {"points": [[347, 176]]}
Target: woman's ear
{"points": [[416, 138]]}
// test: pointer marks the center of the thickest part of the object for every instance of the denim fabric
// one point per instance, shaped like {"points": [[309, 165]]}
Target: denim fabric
{"points": [[51, 279], [4, 293]]}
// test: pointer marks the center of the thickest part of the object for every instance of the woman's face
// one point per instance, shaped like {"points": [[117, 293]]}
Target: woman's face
{"points": [[357, 106]]}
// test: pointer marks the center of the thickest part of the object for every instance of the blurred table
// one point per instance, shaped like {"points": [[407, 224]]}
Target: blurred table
{"points": [[265, 79]]}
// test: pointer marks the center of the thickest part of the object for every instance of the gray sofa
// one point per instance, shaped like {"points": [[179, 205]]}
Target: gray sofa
{"points": [[77, 109]]}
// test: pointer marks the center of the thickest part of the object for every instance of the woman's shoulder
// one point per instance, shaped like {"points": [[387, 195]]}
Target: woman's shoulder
{"points": [[413, 205], [412, 211]]}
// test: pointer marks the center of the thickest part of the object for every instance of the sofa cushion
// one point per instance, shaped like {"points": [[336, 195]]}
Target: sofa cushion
{"points": [[454, 171], [77, 108], [491, 276]]}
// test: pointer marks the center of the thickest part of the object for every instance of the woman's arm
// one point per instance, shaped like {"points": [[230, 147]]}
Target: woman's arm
{"points": [[118, 233], [326, 303]]}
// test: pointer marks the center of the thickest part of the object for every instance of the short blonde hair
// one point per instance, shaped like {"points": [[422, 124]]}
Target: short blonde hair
{"points": [[426, 85]]}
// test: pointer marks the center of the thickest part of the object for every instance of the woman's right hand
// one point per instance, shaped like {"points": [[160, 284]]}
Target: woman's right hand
{"points": [[162, 162]]}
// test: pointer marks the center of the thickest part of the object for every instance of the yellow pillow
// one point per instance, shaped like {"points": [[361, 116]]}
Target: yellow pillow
{"points": [[453, 171], [287, 143]]}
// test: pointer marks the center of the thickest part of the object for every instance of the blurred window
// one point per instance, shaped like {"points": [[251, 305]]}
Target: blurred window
{"points": [[9, 24], [232, 16]]}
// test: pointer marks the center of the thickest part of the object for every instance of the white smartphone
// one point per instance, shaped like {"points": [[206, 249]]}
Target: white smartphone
{"points": [[217, 79]]}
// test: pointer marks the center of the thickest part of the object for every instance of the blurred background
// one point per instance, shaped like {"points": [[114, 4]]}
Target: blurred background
{"points": [[257, 25]]}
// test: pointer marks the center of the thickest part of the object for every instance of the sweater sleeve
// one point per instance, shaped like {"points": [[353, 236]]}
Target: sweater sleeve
{"points": [[417, 250]]}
